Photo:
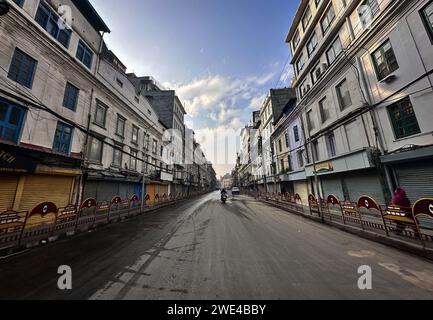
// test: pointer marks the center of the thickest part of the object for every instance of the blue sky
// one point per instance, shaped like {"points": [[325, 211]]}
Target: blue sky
{"points": [[221, 56]]}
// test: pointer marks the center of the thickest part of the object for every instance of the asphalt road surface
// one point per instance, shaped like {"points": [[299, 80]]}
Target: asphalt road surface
{"points": [[203, 249]]}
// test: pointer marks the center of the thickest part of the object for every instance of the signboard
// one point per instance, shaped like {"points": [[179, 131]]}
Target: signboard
{"points": [[324, 167], [12, 161], [166, 176]]}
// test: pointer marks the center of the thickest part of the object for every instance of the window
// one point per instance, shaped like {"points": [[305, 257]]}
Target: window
{"points": [[282, 165], [120, 126], [403, 119], [312, 44], [161, 152], [301, 159], [327, 19], [324, 111], [315, 150], [427, 15], [287, 139], [280, 146], [119, 82], [296, 40], [306, 18], [117, 158], [11, 120], [133, 162], [289, 163], [296, 133], [22, 69], [316, 74], [48, 20], [330, 141], [384, 61], [62, 138], [367, 11], [310, 120], [146, 141], [155, 146], [100, 114], [304, 88], [84, 54], [95, 150], [343, 95], [20, 3], [71, 97], [300, 64], [334, 51], [135, 132]]}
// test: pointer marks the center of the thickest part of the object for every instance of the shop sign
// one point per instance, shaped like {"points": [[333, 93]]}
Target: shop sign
{"points": [[324, 167], [15, 162]]}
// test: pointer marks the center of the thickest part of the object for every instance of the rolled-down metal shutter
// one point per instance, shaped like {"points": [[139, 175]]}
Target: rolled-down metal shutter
{"points": [[332, 185], [301, 188], [364, 183], [42, 188], [8, 188], [416, 178]]}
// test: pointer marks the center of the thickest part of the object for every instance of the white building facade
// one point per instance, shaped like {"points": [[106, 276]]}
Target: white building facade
{"points": [[353, 62]]}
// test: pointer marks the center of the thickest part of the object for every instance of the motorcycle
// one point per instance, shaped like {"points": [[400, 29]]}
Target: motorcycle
{"points": [[224, 198]]}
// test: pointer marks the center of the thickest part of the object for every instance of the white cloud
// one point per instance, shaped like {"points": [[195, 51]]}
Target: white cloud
{"points": [[257, 102], [207, 93]]}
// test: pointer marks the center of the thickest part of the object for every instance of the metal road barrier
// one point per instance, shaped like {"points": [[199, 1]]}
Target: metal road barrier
{"points": [[47, 222], [412, 224]]}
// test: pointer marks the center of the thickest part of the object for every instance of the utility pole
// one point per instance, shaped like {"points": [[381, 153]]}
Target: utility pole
{"points": [[316, 178], [143, 185]]}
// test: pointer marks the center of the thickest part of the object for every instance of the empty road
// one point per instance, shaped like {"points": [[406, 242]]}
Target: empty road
{"points": [[202, 249]]}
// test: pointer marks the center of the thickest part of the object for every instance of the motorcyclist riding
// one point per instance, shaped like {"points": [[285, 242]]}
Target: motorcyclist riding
{"points": [[224, 195]]}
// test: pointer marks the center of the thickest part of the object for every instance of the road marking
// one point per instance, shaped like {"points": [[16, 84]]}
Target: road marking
{"points": [[361, 254]]}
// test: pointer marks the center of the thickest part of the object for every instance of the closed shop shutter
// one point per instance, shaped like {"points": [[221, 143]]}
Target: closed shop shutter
{"points": [[301, 188], [416, 179], [332, 185], [364, 183], [8, 188], [90, 189], [41, 188]]}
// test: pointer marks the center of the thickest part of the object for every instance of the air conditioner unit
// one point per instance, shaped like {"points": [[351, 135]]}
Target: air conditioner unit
{"points": [[318, 73]]}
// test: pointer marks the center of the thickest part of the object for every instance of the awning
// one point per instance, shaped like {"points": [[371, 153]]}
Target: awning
{"points": [[406, 156]]}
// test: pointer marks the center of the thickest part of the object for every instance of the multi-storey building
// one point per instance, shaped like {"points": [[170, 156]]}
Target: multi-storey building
{"points": [[126, 145], [71, 122], [361, 75], [46, 74], [171, 113], [245, 170], [282, 144], [271, 110]]}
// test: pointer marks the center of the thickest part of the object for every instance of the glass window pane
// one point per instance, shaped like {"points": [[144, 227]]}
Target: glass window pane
{"points": [[14, 117]]}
